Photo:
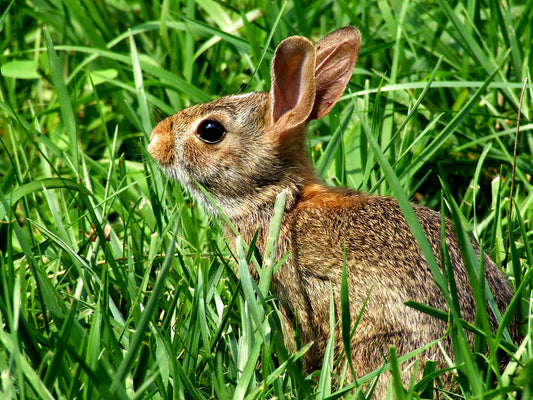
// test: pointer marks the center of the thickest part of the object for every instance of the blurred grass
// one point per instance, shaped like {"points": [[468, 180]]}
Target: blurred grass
{"points": [[96, 299]]}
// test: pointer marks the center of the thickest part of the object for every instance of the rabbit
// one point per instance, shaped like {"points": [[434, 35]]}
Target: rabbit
{"points": [[245, 149]]}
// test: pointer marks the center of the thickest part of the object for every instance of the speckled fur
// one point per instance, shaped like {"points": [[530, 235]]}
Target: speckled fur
{"points": [[255, 161]]}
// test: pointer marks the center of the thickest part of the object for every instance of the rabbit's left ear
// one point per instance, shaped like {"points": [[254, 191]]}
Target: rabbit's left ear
{"points": [[336, 55], [292, 94]]}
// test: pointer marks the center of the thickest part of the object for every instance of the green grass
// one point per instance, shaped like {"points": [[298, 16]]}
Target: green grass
{"points": [[113, 285]]}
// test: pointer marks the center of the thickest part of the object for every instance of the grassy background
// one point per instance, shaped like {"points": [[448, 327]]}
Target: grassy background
{"points": [[112, 285]]}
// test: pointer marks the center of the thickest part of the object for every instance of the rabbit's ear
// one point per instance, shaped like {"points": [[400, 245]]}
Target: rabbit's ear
{"points": [[336, 55], [292, 93]]}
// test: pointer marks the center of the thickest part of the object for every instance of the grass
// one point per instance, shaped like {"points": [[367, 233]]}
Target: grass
{"points": [[112, 285]]}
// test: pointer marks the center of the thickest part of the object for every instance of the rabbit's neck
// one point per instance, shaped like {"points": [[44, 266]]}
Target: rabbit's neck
{"points": [[257, 219], [257, 216]]}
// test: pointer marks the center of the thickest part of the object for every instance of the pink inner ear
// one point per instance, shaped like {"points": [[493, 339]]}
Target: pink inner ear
{"points": [[293, 83], [290, 79]]}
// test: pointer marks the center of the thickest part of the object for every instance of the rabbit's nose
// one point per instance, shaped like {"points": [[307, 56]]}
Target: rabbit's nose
{"points": [[152, 144], [164, 128], [162, 145]]}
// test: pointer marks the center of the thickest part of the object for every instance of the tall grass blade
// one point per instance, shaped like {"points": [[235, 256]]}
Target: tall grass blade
{"points": [[271, 248], [327, 158], [325, 381], [67, 113]]}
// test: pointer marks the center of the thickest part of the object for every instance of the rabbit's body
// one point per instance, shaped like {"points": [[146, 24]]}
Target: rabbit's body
{"points": [[245, 149], [384, 266]]}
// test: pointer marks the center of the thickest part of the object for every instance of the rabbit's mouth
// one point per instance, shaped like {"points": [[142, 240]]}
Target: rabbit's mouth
{"points": [[176, 172]]}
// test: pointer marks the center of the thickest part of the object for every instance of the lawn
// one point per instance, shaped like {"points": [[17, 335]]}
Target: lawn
{"points": [[114, 284]]}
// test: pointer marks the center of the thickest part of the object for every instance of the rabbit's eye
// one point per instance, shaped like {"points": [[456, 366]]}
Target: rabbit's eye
{"points": [[210, 131]]}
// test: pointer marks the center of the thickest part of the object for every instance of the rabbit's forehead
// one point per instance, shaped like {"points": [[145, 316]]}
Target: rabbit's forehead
{"points": [[232, 105], [236, 113]]}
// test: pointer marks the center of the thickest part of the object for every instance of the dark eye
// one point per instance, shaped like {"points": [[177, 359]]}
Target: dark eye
{"points": [[210, 131]]}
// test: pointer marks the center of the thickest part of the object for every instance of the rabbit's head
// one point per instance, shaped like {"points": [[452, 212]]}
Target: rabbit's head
{"points": [[244, 149]]}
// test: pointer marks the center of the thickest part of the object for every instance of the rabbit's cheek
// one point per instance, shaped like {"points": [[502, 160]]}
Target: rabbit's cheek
{"points": [[196, 163]]}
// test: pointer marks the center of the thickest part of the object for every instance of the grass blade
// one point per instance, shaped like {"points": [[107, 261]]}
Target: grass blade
{"points": [[67, 113]]}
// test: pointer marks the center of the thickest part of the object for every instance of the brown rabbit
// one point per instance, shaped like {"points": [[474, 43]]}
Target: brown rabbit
{"points": [[245, 149]]}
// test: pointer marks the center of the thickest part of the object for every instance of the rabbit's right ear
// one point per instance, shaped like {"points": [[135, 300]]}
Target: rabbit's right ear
{"points": [[292, 94], [336, 55]]}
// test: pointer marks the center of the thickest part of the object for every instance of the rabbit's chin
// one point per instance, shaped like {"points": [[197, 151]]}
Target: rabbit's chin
{"points": [[232, 208]]}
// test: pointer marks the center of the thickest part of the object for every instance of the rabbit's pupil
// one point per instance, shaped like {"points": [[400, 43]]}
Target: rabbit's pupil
{"points": [[211, 131]]}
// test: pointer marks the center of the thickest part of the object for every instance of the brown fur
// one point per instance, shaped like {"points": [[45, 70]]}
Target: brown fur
{"points": [[263, 153]]}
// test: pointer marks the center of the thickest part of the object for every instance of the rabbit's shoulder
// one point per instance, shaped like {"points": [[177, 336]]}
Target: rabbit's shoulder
{"points": [[371, 230]]}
